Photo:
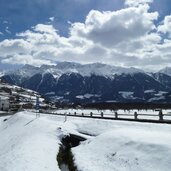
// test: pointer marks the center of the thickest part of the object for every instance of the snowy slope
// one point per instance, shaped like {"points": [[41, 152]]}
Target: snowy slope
{"points": [[87, 69], [19, 96], [25, 71], [125, 149], [30, 144], [103, 70], [26, 145], [1, 74], [2, 119]]}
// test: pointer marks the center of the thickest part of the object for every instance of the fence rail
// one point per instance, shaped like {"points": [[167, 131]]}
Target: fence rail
{"points": [[139, 117]]}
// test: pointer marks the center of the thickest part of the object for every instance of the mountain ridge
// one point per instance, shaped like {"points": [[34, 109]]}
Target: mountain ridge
{"points": [[73, 83], [69, 67]]}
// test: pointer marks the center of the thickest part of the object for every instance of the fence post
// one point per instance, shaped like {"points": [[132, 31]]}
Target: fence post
{"points": [[135, 115], [65, 117], [102, 114], [116, 115], [91, 114], [160, 115]]}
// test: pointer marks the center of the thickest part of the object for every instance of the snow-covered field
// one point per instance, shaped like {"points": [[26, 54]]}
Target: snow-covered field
{"points": [[28, 143], [2, 118]]}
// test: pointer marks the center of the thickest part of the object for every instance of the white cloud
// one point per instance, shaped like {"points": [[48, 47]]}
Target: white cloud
{"points": [[166, 26], [26, 59], [14, 46], [52, 19], [127, 37], [137, 2], [45, 29], [112, 28]]}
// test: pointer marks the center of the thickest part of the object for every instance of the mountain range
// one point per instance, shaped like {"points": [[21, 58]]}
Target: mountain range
{"points": [[76, 83]]}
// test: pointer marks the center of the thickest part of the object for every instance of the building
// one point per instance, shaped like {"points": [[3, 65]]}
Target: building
{"points": [[4, 103]]}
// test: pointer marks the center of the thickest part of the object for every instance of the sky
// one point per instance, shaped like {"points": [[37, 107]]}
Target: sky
{"points": [[127, 33]]}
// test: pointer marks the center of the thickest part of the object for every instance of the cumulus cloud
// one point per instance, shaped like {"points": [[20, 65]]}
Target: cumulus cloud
{"points": [[166, 26], [14, 46], [127, 37], [112, 28]]}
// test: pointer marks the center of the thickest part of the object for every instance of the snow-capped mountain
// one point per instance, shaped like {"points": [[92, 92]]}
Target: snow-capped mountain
{"points": [[69, 67], [74, 82]]}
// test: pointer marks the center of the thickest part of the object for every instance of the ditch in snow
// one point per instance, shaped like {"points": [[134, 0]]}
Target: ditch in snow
{"points": [[65, 156]]}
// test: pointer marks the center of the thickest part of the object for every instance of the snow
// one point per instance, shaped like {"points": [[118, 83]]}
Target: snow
{"points": [[26, 71], [149, 91], [104, 70], [2, 118], [31, 144], [26, 144], [50, 93], [1, 74], [80, 97], [125, 149], [160, 93], [87, 96], [156, 99], [22, 94], [126, 94], [56, 98], [70, 67]]}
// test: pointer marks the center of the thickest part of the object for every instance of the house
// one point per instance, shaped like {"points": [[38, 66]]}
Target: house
{"points": [[4, 103]]}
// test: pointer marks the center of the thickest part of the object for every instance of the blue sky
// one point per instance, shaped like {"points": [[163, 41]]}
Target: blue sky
{"points": [[23, 14], [63, 16], [20, 15]]}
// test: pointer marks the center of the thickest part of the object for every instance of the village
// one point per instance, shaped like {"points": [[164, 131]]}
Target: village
{"points": [[14, 98]]}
